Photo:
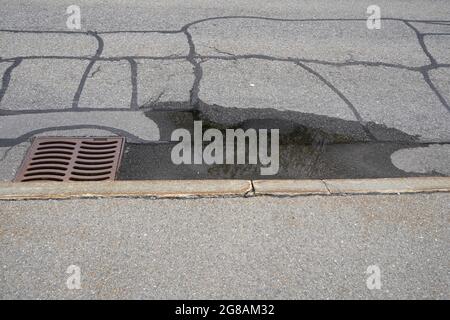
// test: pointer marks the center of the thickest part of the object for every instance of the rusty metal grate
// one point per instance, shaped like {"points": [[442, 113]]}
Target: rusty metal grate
{"points": [[71, 159]]}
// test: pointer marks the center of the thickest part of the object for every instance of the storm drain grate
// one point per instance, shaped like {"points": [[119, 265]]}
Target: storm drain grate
{"points": [[71, 159]]}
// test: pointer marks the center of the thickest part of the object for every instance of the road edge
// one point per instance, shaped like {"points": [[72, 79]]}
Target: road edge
{"points": [[352, 186], [219, 188], [138, 188]]}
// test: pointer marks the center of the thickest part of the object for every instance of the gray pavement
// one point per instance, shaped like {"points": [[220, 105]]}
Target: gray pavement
{"points": [[140, 69], [172, 14], [232, 62], [249, 248]]}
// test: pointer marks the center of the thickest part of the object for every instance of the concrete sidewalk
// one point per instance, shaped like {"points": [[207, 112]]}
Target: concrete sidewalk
{"points": [[249, 248]]}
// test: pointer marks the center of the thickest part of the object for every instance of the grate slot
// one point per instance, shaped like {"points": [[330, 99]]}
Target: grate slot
{"points": [[71, 159]]}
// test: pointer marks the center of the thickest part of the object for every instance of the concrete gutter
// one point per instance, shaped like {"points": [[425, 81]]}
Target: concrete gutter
{"points": [[219, 188]]}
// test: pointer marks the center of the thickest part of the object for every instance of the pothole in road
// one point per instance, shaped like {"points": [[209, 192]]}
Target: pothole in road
{"points": [[310, 146]]}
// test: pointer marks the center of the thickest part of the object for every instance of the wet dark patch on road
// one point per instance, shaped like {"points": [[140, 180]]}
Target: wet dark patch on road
{"points": [[311, 146], [331, 161]]}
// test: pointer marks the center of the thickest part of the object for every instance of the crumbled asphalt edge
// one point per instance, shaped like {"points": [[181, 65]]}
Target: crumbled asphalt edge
{"points": [[316, 134]]}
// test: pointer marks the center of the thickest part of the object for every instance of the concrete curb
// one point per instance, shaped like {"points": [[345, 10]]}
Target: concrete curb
{"points": [[290, 187], [352, 186], [219, 188], [148, 188], [397, 185]]}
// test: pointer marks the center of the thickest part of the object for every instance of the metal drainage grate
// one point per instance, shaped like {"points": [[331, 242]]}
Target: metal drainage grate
{"points": [[71, 159]]}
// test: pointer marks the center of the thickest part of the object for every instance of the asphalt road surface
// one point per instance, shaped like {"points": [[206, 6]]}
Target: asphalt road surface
{"points": [[235, 248], [349, 102], [300, 64]]}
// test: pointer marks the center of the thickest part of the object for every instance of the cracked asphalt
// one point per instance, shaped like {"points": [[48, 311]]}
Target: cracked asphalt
{"points": [[349, 102], [309, 64]]}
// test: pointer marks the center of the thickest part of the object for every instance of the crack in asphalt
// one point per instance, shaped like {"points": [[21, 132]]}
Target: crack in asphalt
{"points": [[98, 53], [340, 95], [198, 70], [320, 62], [196, 60], [190, 24], [134, 86], [7, 78], [97, 70], [5, 154], [420, 38], [426, 77], [30, 134]]}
